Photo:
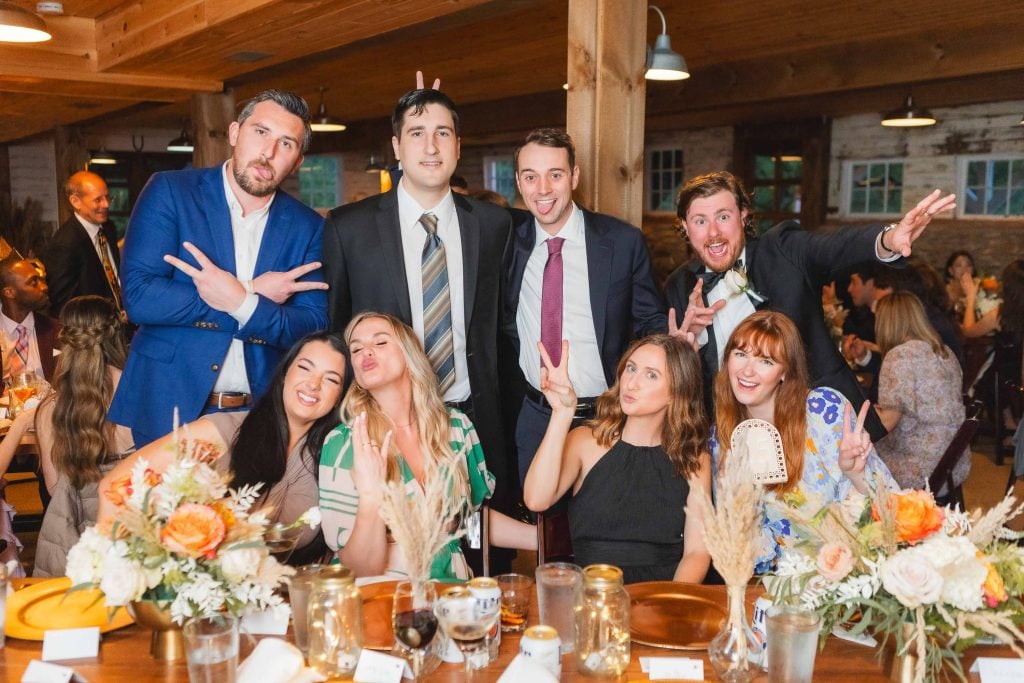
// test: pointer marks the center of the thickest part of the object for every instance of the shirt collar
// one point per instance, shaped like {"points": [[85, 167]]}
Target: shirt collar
{"points": [[234, 205], [92, 228], [9, 326], [408, 205], [572, 231]]}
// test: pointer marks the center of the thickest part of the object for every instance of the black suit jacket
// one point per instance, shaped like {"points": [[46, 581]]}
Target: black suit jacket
{"points": [[73, 268], [624, 300], [365, 268], [788, 266], [47, 331]]}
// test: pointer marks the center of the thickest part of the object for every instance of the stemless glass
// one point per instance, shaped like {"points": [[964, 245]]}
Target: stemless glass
{"points": [[413, 619], [466, 621], [280, 540]]}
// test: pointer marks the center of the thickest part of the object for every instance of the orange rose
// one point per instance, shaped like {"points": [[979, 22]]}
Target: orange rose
{"points": [[121, 488], [989, 284], [916, 515], [225, 513], [994, 589], [193, 530]]}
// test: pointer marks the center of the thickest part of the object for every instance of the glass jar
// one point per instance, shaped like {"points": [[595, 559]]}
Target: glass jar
{"points": [[335, 622], [601, 622]]}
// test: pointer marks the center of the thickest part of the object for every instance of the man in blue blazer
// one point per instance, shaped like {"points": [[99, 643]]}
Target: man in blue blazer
{"points": [[607, 296], [216, 274]]}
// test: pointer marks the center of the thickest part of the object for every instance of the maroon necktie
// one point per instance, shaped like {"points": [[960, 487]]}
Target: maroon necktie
{"points": [[551, 301]]}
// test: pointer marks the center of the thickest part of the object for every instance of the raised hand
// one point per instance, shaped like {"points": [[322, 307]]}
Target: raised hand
{"points": [[218, 288], [702, 315], [419, 82], [279, 286], [369, 461], [682, 330], [554, 381], [855, 445], [916, 220], [969, 285]]}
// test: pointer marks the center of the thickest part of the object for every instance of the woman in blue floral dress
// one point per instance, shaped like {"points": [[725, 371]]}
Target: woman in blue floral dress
{"points": [[764, 376]]}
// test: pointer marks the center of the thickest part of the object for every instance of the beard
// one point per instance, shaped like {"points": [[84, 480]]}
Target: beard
{"points": [[254, 186]]}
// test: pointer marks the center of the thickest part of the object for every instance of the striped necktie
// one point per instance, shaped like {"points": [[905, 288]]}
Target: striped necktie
{"points": [[437, 306], [19, 359], [108, 269]]}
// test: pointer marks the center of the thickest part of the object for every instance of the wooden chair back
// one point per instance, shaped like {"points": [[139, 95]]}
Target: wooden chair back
{"points": [[942, 477], [553, 541]]}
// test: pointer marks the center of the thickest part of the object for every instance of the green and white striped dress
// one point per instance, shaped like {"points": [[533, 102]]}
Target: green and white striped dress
{"points": [[339, 499]]}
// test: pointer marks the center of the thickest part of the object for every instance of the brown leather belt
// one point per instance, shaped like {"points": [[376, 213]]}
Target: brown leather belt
{"points": [[229, 399]]}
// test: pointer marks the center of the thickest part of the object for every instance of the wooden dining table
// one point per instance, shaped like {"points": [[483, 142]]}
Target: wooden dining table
{"points": [[124, 656]]}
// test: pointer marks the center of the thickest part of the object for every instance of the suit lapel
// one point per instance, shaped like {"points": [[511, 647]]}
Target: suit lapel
{"points": [[749, 267], [599, 272], [389, 231], [524, 240], [274, 236], [218, 219], [469, 228]]}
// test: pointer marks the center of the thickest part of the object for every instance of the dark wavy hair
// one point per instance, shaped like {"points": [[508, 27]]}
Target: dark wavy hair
{"points": [[953, 257], [92, 340], [684, 434], [261, 443], [704, 186]]}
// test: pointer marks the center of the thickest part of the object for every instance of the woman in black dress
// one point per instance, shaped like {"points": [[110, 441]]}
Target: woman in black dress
{"points": [[633, 468]]}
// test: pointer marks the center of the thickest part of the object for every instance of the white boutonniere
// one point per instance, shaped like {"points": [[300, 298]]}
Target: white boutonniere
{"points": [[736, 283]]}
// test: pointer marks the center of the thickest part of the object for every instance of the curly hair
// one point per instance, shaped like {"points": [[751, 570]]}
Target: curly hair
{"points": [[772, 335], [92, 340], [704, 186], [684, 433]]}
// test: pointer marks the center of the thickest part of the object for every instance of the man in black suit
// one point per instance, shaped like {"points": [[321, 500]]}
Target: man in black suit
{"points": [[608, 298], [82, 256], [785, 270], [373, 252]]}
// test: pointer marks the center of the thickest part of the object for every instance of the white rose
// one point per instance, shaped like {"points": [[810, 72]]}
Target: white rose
{"points": [[735, 281], [85, 559], [240, 563], [911, 580], [312, 517], [123, 580]]}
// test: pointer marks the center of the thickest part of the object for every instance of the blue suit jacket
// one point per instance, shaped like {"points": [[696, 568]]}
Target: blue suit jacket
{"points": [[181, 342], [624, 300]]}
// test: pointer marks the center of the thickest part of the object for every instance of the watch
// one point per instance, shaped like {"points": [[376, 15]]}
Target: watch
{"points": [[881, 237]]}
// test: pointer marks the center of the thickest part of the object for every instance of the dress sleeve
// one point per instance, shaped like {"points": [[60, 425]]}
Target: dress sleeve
{"points": [[339, 499], [464, 438]]}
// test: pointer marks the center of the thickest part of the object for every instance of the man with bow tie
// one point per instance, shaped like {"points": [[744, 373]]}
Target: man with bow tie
{"points": [[735, 273]]}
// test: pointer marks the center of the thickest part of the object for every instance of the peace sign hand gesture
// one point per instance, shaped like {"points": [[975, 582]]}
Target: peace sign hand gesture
{"points": [[369, 461], [855, 446], [555, 383]]}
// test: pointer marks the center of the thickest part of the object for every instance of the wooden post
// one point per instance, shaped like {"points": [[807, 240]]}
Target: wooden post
{"points": [[212, 113], [71, 157], [605, 107], [5, 172]]}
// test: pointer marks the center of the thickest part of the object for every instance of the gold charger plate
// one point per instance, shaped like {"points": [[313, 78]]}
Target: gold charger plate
{"points": [[377, 601], [678, 616], [47, 605]]}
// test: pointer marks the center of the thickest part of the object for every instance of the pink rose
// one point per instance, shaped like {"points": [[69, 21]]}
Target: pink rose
{"points": [[835, 560]]}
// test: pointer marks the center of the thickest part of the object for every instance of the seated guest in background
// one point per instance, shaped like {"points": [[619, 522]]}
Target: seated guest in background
{"points": [[918, 392], [958, 263], [786, 268], [77, 444], [276, 443], [82, 256], [923, 281], [764, 376], [865, 288], [633, 468], [397, 428], [28, 339]]}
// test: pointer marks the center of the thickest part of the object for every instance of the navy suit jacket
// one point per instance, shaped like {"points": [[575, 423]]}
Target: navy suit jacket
{"points": [[177, 352], [624, 300], [788, 266]]}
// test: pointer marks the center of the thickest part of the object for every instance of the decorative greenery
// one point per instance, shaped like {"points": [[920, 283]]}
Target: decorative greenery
{"points": [[22, 226]]}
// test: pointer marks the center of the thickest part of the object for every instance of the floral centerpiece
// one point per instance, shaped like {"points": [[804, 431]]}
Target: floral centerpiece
{"points": [[988, 295], [932, 580], [183, 540]]}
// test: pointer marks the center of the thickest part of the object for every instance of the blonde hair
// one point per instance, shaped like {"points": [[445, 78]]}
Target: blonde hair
{"points": [[429, 412], [899, 318]]}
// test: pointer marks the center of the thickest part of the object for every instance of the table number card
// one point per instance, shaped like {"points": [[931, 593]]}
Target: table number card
{"points": [[42, 672], [377, 667], [71, 643], [764, 448], [672, 668], [999, 669]]}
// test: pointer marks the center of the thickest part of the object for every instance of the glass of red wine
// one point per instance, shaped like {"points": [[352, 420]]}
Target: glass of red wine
{"points": [[413, 619]]}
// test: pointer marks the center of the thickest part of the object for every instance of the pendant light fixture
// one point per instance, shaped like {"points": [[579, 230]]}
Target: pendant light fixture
{"points": [[18, 25], [322, 123], [374, 166], [664, 63], [908, 116], [182, 143], [102, 157]]}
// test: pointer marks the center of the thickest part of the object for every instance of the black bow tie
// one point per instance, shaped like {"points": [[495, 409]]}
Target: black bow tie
{"points": [[711, 278]]}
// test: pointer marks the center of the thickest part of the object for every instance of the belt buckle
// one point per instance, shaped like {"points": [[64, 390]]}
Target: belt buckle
{"points": [[220, 400]]}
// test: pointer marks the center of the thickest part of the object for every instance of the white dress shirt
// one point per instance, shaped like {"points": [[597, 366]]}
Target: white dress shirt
{"points": [[413, 238], [94, 237], [246, 234], [737, 308], [585, 369], [9, 338]]}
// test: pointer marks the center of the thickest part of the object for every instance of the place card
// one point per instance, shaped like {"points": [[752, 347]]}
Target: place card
{"points": [[71, 643], [269, 622], [859, 638], [673, 668], [377, 667], [998, 669], [41, 672]]}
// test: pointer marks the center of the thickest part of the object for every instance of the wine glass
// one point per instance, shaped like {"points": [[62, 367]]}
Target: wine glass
{"points": [[281, 540], [466, 621], [413, 619]]}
